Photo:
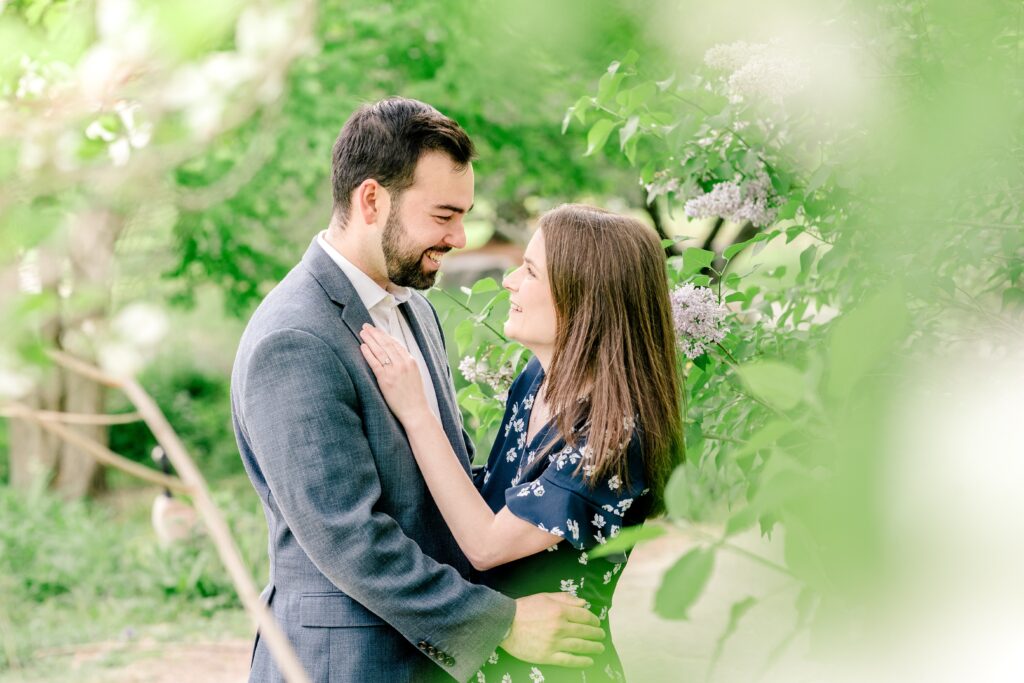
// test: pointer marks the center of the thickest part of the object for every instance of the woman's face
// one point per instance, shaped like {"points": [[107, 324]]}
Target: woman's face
{"points": [[532, 320]]}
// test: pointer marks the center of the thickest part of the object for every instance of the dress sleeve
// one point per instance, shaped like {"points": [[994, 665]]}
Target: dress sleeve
{"points": [[560, 502]]}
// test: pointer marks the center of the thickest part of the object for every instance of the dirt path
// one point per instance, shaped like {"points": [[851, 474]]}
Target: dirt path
{"points": [[652, 649]]}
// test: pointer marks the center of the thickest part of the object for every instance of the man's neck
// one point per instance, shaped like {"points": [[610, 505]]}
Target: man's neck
{"points": [[346, 244]]}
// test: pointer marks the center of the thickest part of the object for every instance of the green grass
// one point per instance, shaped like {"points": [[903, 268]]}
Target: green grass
{"points": [[73, 573]]}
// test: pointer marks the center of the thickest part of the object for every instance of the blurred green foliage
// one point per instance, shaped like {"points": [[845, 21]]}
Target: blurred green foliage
{"points": [[263, 190], [73, 572], [197, 402]]}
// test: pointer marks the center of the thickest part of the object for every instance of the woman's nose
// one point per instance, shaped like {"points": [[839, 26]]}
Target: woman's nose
{"points": [[506, 281]]}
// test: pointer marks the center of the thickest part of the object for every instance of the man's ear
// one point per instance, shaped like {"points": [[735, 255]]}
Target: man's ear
{"points": [[372, 201]]}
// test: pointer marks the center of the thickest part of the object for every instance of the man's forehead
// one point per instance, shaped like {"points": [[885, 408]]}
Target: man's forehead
{"points": [[444, 184]]}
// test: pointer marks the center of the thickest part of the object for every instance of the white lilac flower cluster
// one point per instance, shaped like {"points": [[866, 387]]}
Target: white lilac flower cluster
{"points": [[698, 317], [479, 371], [750, 201], [757, 71]]}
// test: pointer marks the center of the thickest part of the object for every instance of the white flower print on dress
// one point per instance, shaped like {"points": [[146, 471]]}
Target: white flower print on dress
{"points": [[512, 418], [573, 528], [588, 471], [607, 577], [604, 614], [480, 678], [614, 483], [584, 558], [493, 659], [506, 679], [511, 455], [538, 489], [599, 537], [569, 586], [598, 521], [535, 675], [613, 531], [528, 402]]}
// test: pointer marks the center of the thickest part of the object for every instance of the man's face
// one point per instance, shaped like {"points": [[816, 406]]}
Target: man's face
{"points": [[425, 221]]}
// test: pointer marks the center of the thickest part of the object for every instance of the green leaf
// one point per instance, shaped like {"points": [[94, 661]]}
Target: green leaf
{"points": [[734, 249], [488, 284], [626, 539], [1014, 296], [464, 335], [628, 131], [863, 336], [694, 259], [598, 135], [777, 384], [608, 86], [636, 97], [762, 438], [579, 109], [683, 583], [741, 521], [736, 613], [677, 493]]}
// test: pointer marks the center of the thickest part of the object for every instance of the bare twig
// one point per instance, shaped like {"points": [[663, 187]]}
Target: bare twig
{"points": [[97, 450], [81, 418], [281, 649]]}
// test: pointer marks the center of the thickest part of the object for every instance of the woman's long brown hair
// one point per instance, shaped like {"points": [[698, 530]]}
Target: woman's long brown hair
{"points": [[614, 361]]}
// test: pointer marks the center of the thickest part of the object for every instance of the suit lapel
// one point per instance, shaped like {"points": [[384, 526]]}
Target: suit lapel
{"points": [[338, 288], [437, 363], [354, 314]]}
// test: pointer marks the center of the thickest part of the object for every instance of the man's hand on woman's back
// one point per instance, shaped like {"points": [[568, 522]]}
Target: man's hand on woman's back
{"points": [[554, 628]]}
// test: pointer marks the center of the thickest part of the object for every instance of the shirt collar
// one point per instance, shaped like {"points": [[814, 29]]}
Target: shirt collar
{"points": [[370, 293]]}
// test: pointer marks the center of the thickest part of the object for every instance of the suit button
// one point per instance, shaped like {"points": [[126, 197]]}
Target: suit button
{"points": [[449, 661], [431, 650], [422, 645]]}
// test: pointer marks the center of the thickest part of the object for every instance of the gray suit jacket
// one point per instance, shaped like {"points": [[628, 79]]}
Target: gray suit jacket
{"points": [[365, 577]]}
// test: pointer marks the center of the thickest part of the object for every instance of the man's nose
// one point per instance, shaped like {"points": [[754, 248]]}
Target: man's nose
{"points": [[457, 237]]}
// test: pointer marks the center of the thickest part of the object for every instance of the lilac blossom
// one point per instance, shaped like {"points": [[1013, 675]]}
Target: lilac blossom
{"points": [[751, 201], [479, 371], [698, 317], [757, 71]]}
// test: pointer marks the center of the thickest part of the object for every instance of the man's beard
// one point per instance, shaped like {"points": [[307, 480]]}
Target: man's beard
{"points": [[404, 268]]}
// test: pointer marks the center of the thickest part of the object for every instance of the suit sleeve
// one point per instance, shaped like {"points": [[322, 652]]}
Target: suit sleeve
{"points": [[304, 425]]}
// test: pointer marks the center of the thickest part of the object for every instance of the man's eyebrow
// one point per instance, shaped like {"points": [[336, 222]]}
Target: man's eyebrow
{"points": [[453, 208]]}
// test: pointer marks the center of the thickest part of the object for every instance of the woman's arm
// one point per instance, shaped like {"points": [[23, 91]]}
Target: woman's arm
{"points": [[487, 539]]}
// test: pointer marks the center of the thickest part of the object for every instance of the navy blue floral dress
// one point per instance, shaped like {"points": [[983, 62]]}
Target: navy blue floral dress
{"points": [[554, 496]]}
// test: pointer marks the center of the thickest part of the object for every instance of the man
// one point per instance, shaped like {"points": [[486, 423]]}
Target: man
{"points": [[365, 577]]}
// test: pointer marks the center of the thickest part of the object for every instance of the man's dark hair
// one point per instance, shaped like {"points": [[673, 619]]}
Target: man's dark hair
{"points": [[385, 140]]}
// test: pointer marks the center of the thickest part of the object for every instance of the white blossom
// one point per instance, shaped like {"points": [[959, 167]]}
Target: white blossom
{"points": [[698, 317], [751, 201], [757, 71]]}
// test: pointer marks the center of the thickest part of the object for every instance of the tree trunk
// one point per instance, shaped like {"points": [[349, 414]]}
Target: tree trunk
{"points": [[34, 452]]}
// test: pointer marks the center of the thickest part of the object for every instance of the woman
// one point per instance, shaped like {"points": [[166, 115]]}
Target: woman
{"points": [[590, 428]]}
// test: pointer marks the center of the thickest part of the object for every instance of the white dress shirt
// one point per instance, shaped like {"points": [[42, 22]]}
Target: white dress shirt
{"points": [[382, 304]]}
